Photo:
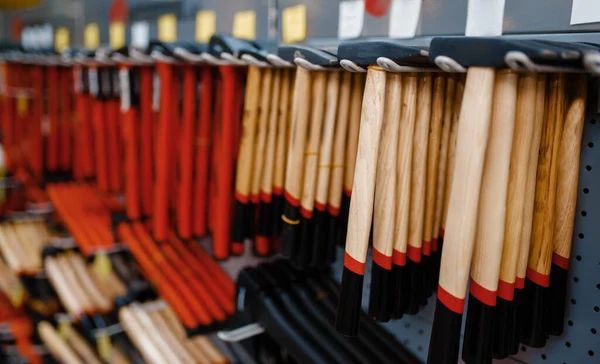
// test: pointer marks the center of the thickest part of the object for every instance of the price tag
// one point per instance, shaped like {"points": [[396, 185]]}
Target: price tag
{"points": [[116, 35], [404, 18], [244, 25], [61, 39], [104, 346], [91, 36], [585, 11], [125, 89], [64, 325], [352, 17], [167, 28], [156, 92], [293, 22], [485, 18], [140, 34], [206, 24], [102, 265]]}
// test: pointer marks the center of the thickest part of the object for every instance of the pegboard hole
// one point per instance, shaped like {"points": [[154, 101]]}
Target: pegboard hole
{"points": [[581, 236], [578, 258], [544, 357], [583, 213], [407, 325], [596, 308], [586, 191], [568, 344], [421, 332], [405, 342], [419, 348], [588, 168], [598, 286], [593, 331], [590, 145], [570, 323], [523, 348], [575, 279], [573, 301], [590, 353]]}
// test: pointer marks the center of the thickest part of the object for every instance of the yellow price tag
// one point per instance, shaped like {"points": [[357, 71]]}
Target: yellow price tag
{"points": [[167, 28], [61, 39], [293, 22], [116, 35], [206, 25], [22, 103], [102, 265], [91, 36], [244, 25], [64, 326], [104, 346], [17, 295]]}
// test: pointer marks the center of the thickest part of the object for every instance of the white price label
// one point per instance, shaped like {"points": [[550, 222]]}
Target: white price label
{"points": [[352, 17], [404, 18], [156, 92], [125, 89], [485, 18], [140, 34], [585, 11], [93, 79]]}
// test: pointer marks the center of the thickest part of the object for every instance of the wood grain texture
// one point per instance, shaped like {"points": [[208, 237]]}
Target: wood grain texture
{"points": [[460, 89], [282, 130], [140, 337], [261, 132], [471, 144], [363, 188], [519, 165], [77, 266], [384, 218], [404, 160], [336, 183], [251, 104], [66, 297], [540, 251], [321, 88], [356, 101], [327, 134], [156, 336], [75, 286], [433, 151], [443, 154], [419, 162], [568, 169], [489, 237], [269, 164], [541, 110], [59, 349], [169, 337], [299, 128]]}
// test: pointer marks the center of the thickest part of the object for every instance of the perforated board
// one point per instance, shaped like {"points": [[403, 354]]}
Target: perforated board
{"points": [[580, 342]]}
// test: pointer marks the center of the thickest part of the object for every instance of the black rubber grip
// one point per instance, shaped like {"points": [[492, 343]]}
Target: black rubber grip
{"points": [[304, 255], [264, 225], [290, 235], [379, 301], [413, 287], [277, 202], [240, 220], [347, 317], [533, 316], [505, 320], [398, 289], [445, 336], [558, 294], [343, 221], [478, 337], [320, 245]]}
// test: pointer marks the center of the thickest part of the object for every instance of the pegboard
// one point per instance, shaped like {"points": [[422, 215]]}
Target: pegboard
{"points": [[580, 341]]}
